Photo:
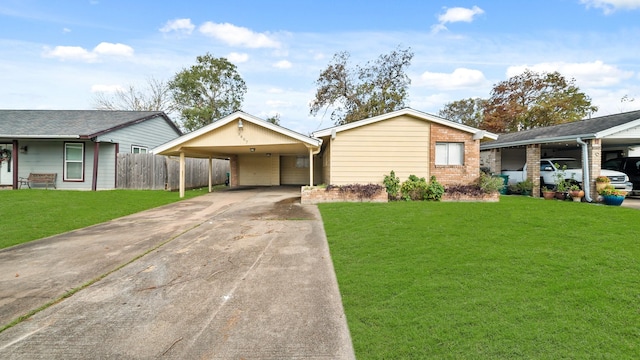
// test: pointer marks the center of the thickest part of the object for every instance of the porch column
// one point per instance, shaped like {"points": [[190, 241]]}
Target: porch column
{"points": [[595, 156], [14, 159], [210, 173], [310, 167], [533, 168], [96, 157], [181, 174], [495, 163]]}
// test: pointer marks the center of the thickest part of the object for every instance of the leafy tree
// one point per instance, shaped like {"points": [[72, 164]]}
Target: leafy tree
{"points": [[466, 111], [361, 92], [155, 97], [207, 91], [275, 119], [532, 100]]}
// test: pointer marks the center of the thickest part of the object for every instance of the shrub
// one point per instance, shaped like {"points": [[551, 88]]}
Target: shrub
{"points": [[414, 188], [490, 184], [367, 191], [435, 190], [392, 183]]}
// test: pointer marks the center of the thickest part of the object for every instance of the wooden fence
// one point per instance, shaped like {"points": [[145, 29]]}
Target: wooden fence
{"points": [[155, 172]]}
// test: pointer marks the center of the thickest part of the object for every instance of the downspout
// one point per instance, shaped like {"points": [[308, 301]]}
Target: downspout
{"points": [[586, 181]]}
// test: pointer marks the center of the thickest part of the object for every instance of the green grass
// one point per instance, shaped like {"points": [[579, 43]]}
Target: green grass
{"points": [[27, 215], [523, 278]]}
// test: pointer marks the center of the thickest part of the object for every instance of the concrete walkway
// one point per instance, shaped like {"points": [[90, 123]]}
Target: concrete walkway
{"points": [[228, 275]]}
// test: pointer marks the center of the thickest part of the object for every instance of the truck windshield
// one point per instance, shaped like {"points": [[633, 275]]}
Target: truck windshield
{"points": [[570, 163]]}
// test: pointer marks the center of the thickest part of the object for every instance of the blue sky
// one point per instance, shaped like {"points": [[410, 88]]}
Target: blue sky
{"points": [[58, 54]]}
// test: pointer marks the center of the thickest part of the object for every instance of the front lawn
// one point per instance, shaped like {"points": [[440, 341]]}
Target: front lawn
{"points": [[523, 278], [27, 215]]}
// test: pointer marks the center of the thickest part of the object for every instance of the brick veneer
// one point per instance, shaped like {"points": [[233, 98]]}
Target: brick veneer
{"points": [[455, 174], [533, 172], [233, 171], [309, 195]]}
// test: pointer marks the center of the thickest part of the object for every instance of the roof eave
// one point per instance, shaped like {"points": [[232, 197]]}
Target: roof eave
{"points": [[491, 145]]}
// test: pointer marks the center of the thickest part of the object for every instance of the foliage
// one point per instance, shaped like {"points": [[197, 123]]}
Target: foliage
{"points": [[469, 111], [526, 185], [275, 119], [469, 190], [435, 190], [574, 187], [532, 100], [562, 184], [460, 281], [392, 184], [490, 184], [81, 208], [156, 96], [611, 190], [414, 188], [603, 179], [362, 191], [208, 91], [362, 92]]}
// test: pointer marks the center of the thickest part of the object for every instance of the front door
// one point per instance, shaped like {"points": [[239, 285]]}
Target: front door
{"points": [[6, 164]]}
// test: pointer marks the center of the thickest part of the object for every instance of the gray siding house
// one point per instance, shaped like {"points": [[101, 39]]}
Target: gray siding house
{"points": [[79, 146]]}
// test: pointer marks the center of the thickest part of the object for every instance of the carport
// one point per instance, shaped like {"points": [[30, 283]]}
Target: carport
{"points": [[592, 140], [260, 153]]}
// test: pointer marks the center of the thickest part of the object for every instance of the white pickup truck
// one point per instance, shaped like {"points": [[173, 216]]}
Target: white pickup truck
{"points": [[549, 167]]}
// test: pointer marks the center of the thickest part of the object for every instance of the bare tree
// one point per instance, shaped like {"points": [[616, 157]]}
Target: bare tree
{"points": [[156, 96]]}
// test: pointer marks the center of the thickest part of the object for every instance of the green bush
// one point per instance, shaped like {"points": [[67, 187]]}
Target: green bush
{"points": [[490, 184], [414, 188], [392, 183], [435, 190]]}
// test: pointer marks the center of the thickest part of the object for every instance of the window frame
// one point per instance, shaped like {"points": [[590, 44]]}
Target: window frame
{"points": [[448, 154], [138, 147], [65, 171]]}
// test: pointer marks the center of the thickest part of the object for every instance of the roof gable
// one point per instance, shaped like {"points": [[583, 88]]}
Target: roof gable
{"points": [[71, 123], [406, 111]]}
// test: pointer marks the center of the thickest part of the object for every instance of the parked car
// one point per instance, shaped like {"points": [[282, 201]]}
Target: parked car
{"points": [[572, 173], [629, 166]]}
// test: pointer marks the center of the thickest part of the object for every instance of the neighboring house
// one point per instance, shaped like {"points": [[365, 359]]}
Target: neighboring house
{"points": [[592, 140], [79, 146], [406, 141]]}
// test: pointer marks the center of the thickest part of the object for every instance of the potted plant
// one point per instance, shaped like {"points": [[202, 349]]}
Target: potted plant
{"points": [[547, 193], [576, 193], [612, 196], [562, 184], [525, 187], [601, 182]]}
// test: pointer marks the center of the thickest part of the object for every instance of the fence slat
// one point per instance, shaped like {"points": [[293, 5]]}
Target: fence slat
{"points": [[156, 172]]}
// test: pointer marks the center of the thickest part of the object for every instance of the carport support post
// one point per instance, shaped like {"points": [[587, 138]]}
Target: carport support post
{"points": [[181, 174], [310, 167], [533, 168], [210, 173]]}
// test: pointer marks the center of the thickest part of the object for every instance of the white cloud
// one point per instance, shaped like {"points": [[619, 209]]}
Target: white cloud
{"points": [[456, 14], [105, 48], [238, 36], [591, 74], [237, 58], [66, 30], [609, 6], [78, 53], [277, 103], [182, 26], [283, 64], [459, 78], [106, 88]]}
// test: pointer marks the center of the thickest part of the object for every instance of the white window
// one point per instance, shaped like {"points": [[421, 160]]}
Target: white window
{"points": [[449, 153], [73, 161], [139, 149]]}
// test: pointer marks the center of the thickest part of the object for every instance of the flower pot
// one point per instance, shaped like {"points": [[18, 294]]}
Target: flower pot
{"points": [[576, 195], [548, 195], [560, 195], [613, 200]]}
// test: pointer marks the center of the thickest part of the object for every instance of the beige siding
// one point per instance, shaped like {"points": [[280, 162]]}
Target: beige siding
{"points": [[292, 175], [250, 135], [365, 154], [259, 170]]}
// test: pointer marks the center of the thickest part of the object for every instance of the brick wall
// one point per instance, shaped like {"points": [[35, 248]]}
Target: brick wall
{"points": [[455, 174], [314, 195], [233, 171], [533, 168]]}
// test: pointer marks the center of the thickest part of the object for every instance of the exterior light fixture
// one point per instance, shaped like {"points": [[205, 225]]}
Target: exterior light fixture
{"points": [[268, 154], [240, 124], [252, 149]]}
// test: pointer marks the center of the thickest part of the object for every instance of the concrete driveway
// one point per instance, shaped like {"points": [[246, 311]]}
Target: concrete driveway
{"points": [[229, 275]]}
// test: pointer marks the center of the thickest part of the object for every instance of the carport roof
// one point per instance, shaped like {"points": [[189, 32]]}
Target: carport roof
{"points": [[594, 128], [176, 146]]}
